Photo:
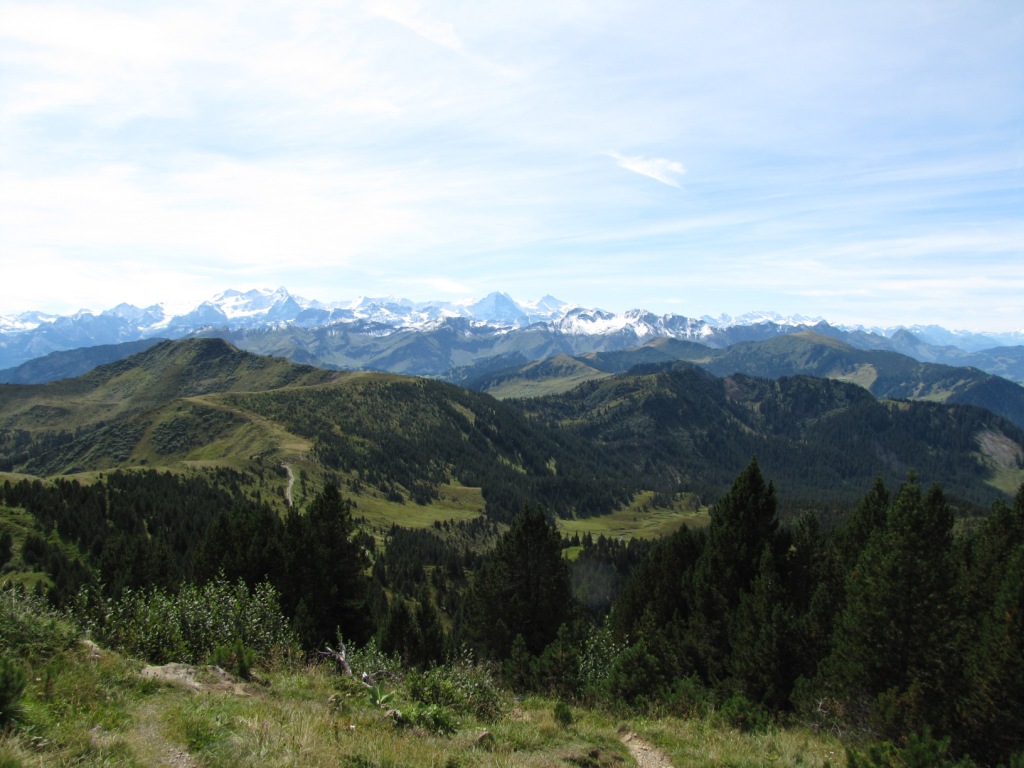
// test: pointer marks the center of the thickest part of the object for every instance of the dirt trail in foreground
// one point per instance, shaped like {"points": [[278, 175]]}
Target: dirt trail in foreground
{"points": [[645, 754]]}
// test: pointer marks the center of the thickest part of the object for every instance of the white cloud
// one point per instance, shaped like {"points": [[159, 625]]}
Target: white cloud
{"points": [[668, 172], [410, 16]]}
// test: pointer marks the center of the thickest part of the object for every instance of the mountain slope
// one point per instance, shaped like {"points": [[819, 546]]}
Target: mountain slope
{"points": [[98, 420], [884, 374], [664, 428], [70, 363], [682, 427]]}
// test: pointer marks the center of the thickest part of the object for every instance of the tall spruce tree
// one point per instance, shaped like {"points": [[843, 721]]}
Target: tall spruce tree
{"points": [[891, 657], [522, 588], [326, 581], [743, 524]]}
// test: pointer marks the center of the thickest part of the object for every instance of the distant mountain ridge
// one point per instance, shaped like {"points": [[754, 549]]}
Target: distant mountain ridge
{"points": [[886, 375], [662, 428], [375, 333]]}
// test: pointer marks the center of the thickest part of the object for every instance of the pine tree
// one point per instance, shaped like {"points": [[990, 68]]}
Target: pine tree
{"points": [[326, 571], [760, 661], [990, 716], [522, 588], [743, 524], [894, 639]]}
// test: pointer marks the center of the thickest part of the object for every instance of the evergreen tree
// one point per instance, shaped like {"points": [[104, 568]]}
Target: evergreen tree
{"points": [[522, 588], [559, 665], [398, 635], [760, 660], [990, 717], [326, 582], [891, 658], [743, 524]]}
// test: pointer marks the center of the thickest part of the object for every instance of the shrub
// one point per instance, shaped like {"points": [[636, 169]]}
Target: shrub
{"points": [[191, 625], [30, 627], [689, 697], [741, 713], [600, 649], [634, 676], [236, 659], [432, 718], [563, 714], [921, 750], [462, 686], [12, 686]]}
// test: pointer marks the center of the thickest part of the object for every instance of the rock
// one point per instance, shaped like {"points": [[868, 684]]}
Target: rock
{"points": [[92, 651]]}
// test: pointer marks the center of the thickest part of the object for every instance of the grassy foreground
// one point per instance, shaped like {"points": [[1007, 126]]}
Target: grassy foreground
{"points": [[85, 706]]}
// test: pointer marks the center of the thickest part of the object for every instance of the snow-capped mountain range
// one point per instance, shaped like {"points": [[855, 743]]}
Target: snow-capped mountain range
{"points": [[233, 313]]}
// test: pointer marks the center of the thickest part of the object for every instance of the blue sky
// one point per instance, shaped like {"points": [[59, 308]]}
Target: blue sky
{"points": [[859, 161]]}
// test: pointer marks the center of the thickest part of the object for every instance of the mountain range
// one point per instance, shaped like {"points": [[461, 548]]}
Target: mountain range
{"points": [[661, 428], [434, 338]]}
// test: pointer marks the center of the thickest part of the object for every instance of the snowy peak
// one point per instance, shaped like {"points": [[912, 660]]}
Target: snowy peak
{"points": [[34, 334], [498, 308], [758, 318]]}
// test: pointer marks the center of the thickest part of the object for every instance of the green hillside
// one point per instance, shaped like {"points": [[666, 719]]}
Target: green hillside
{"points": [[887, 375], [680, 427], [582, 452]]}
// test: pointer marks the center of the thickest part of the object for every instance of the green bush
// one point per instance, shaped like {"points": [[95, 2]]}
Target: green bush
{"points": [[689, 697], [191, 625], [921, 750], [236, 659], [634, 676], [463, 686], [12, 686], [30, 627], [432, 718], [741, 713], [563, 714]]}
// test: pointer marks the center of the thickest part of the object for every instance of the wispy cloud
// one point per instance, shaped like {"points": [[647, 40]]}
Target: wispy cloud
{"points": [[669, 172]]}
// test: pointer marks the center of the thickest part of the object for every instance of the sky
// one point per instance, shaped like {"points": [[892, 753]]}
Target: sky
{"points": [[854, 160]]}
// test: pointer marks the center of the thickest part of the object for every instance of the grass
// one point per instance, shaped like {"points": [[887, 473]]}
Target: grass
{"points": [[864, 375], [702, 743], [520, 388], [86, 711], [456, 503], [640, 520]]}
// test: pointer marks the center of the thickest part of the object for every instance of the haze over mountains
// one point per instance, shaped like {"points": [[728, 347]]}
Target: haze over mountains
{"points": [[433, 338]]}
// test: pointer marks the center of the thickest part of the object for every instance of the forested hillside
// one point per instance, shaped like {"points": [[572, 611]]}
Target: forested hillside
{"points": [[886, 374], [894, 630], [667, 430], [682, 428]]}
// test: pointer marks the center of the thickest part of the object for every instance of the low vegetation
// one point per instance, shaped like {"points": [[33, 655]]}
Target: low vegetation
{"points": [[69, 702]]}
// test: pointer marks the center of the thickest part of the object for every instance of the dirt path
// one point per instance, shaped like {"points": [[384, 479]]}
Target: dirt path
{"points": [[153, 746], [291, 482], [646, 755]]}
